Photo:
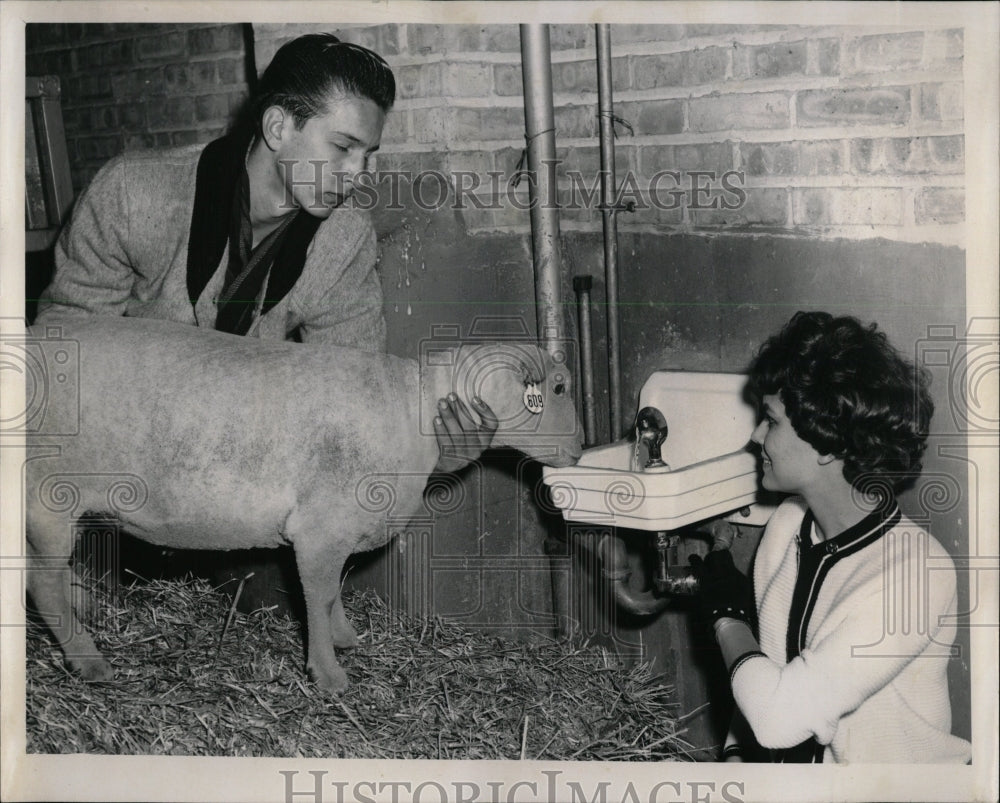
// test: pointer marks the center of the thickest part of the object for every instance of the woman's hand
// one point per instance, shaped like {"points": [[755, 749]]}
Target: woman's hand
{"points": [[460, 439], [723, 590]]}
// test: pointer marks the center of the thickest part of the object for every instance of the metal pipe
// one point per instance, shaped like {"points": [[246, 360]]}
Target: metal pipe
{"points": [[609, 215], [558, 551], [539, 119], [671, 580], [582, 285], [539, 122], [614, 559]]}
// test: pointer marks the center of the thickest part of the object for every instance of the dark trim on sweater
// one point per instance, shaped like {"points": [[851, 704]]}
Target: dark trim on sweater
{"points": [[216, 183], [815, 563], [742, 660]]}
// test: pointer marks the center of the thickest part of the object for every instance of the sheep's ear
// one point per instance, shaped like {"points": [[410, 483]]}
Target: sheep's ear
{"points": [[534, 375], [526, 375]]}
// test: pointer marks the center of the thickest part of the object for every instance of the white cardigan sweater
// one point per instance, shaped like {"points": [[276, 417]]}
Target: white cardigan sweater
{"points": [[870, 680]]}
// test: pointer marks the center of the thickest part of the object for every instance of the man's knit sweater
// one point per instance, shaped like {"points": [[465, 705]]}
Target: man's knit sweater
{"points": [[874, 629], [125, 253]]}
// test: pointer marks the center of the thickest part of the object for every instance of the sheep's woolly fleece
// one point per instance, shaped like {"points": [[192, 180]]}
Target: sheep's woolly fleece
{"points": [[195, 678]]}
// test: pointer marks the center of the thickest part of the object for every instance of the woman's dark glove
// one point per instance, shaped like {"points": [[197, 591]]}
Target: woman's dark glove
{"points": [[723, 590]]}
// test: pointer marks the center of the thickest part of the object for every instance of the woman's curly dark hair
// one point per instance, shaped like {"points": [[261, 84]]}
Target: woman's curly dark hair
{"points": [[848, 393]]}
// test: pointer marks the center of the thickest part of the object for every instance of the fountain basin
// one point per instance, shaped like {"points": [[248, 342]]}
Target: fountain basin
{"points": [[712, 473]]}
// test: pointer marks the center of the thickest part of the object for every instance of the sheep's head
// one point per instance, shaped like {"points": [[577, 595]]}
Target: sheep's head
{"points": [[531, 394]]}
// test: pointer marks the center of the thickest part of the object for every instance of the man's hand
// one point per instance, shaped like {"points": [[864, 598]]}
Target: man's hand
{"points": [[460, 439]]}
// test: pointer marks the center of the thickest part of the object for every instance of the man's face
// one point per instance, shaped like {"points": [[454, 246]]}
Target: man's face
{"points": [[319, 162], [790, 464]]}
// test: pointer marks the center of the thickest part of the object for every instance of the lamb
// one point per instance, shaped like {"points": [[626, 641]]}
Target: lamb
{"points": [[199, 439]]}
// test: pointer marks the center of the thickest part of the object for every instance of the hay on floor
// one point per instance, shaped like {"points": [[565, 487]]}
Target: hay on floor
{"points": [[188, 684]]}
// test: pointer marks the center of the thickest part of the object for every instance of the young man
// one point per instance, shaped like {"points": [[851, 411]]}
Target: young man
{"points": [[251, 234], [854, 603]]}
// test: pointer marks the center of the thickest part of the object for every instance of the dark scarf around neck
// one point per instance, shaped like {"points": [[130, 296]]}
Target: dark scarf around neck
{"points": [[216, 187]]}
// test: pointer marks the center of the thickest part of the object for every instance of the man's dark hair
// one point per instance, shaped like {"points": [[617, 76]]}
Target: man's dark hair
{"points": [[307, 69], [847, 392]]}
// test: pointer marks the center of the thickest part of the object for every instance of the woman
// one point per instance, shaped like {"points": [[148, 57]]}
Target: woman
{"points": [[853, 603]]}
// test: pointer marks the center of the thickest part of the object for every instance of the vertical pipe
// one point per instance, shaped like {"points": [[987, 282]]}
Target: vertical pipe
{"points": [[539, 121], [582, 285], [609, 188]]}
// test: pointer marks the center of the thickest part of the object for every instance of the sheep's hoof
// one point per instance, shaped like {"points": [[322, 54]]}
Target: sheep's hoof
{"points": [[93, 669], [332, 680], [346, 639]]}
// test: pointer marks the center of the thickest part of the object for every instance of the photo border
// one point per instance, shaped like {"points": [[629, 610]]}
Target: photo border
{"points": [[87, 777]]}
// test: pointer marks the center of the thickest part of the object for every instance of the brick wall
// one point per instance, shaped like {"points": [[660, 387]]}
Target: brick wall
{"points": [[837, 132], [138, 85]]}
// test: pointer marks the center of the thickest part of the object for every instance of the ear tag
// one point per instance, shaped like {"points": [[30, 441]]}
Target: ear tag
{"points": [[533, 400]]}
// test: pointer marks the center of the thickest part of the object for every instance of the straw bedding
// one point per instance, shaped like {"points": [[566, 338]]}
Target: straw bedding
{"points": [[194, 677]]}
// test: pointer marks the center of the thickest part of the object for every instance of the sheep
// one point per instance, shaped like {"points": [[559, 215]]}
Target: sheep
{"points": [[198, 439]]}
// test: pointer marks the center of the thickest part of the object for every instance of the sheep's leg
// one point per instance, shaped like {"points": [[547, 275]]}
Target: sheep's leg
{"points": [[51, 586], [320, 566], [341, 631]]}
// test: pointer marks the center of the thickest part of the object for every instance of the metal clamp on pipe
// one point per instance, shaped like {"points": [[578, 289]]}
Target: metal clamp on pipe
{"points": [[628, 206]]}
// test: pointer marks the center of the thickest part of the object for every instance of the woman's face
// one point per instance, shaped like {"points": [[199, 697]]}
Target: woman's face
{"points": [[790, 464]]}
